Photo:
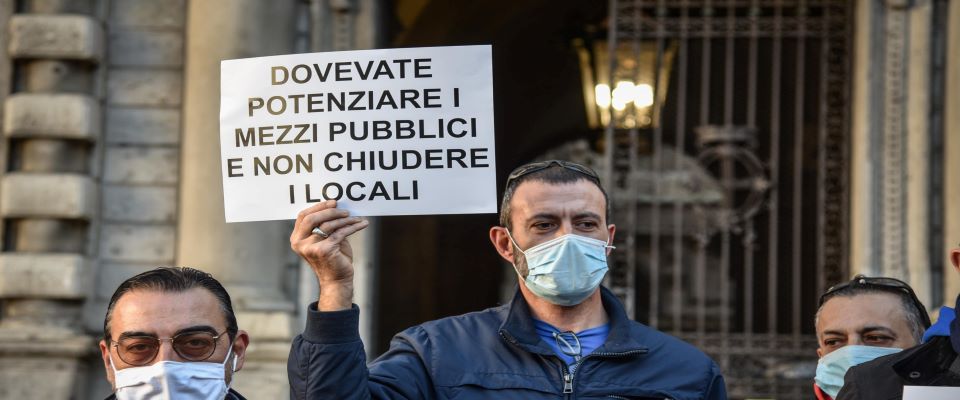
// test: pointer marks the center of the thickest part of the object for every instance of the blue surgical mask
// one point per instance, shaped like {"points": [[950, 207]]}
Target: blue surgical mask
{"points": [[566, 270], [832, 367]]}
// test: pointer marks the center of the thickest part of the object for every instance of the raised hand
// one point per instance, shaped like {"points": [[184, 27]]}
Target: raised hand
{"points": [[320, 237]]}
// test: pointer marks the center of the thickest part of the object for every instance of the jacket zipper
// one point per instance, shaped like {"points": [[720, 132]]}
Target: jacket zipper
{"points": [[565, 370], [568, 383]]}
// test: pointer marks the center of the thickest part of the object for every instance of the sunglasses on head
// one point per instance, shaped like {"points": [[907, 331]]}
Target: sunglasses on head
{"points": [[887, 284], [530, 168]]}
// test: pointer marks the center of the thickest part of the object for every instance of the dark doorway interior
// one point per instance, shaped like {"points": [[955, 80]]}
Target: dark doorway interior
{"points": [[437, 266]]}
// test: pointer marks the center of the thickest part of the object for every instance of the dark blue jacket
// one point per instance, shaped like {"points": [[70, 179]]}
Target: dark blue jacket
{"points": [[495, 354]]}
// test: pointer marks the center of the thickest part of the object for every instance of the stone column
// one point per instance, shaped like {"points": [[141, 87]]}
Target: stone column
{"points": [[247, 256], [251, 259], [894, 114], [951, 151], [48, 201], [337, 25]]}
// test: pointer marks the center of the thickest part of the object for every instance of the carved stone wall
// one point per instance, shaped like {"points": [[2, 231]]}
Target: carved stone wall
{"points": [[48, 194], [897, 181], [94, 152]]}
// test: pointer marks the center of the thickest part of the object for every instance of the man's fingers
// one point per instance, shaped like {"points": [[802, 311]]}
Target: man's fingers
{"points": [[329, 227], [303, 229], [342, 233], [298, 224], [314, 208]]}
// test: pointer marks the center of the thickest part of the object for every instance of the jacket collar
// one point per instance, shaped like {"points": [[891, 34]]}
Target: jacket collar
{"points": [[518, 327], [929, 364]]}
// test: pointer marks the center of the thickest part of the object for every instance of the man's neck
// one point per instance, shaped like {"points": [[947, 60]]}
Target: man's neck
{"points": [[586, 315]]}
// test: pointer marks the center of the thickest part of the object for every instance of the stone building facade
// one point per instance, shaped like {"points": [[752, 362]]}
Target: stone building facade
{"points": [[110, 155], [110, 134]]}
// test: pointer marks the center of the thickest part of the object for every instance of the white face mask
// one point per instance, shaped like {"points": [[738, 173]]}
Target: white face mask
{"points": [[565, 270], [832, 367], [173, 380]]}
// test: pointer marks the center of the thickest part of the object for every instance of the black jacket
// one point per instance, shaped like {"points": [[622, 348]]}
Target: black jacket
{"points": [[231, 395], [495, 354], [930, 364]]}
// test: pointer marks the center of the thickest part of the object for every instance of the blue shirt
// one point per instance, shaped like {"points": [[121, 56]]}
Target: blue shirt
{"points": [[590, 340], [942, 326]]}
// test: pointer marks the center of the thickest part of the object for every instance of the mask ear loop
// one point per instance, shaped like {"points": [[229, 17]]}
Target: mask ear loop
{"points": [[516, 246], [608, 245], [514, 242], [110, 358], [229, 353]]}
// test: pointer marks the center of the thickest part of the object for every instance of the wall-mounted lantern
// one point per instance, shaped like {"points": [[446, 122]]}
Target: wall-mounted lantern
{"points": [[631, 98]]}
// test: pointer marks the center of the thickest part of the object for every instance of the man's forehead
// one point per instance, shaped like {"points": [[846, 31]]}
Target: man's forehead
{"points": [[536, 193], [165, 312], [861, 310]]}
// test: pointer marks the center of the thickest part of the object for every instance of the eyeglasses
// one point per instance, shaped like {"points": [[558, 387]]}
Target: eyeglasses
{"points": [[530, 168], [191, 346], [888, 284], [569, 344]]}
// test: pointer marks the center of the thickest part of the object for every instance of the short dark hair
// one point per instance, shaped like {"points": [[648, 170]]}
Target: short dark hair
{"points": [[553, 174], [174, 280], [915, 321]]}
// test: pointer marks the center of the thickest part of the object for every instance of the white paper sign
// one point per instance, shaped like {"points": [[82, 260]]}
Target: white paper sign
{"points": [[931, 393], [384, 132]]}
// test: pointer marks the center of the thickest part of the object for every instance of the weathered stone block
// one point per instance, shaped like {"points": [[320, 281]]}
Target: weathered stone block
{"points": [[59, 76], [48, 195], [60, 276], [272, 325], [93, 311], [148, 87], [70, 116], [143, 126], [138, 243], [33, 313], [142, 165], [51, 155], [140, 203], [111, 275], [33, 368], [37, 378], [48, 235], [263, 379], [77, 37], [146, 48], [148, 13], [59, 7]]}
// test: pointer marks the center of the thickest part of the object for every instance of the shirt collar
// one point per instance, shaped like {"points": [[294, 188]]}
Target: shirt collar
{"points": [[624, 336]]}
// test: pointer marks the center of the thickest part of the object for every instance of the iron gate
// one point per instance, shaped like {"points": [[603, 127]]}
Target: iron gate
{"points": [[728, 174]]}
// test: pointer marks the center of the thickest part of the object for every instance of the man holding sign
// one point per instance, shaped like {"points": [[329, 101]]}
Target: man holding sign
{"points": [[562, 335]]}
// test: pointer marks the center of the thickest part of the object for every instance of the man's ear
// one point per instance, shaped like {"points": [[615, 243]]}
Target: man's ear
{"points": [[955, 258], [240, 348], [501, 241], [105, 355], [611, 231]]}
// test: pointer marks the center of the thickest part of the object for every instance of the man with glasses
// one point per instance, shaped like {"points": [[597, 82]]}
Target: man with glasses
{"points": [[562, 336], [170, 333], [860, 320], [933, 363]]}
